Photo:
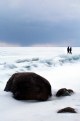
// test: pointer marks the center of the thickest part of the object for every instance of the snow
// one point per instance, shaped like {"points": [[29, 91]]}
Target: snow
{"points": [[53, 63]]}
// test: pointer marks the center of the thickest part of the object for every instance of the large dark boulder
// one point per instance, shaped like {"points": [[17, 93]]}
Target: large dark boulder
{"points": [[67, 110], [28, 86]]}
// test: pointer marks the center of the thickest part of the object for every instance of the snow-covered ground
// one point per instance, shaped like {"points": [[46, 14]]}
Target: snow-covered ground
{"points": [[53, 63]]}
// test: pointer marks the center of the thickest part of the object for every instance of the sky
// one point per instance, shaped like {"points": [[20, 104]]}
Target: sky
{"points": [[39, 22]]}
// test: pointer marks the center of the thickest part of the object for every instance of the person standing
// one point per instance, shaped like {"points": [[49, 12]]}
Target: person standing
{"points": [[70, 50], [67, 49]]}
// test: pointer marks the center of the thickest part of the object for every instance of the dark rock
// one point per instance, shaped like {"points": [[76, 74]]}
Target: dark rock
{"points": [[70, 91], [29, 86], [67, 110], [62, 92]]}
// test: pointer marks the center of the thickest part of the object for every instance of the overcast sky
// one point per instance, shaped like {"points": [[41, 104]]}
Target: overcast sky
{"points": [[39, 22]]}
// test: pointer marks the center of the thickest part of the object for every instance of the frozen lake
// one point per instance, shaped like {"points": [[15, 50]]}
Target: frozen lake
{"points": [[61, 69]]}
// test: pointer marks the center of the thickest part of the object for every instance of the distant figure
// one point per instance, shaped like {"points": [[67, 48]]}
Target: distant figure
{"points": [[69, 50]]}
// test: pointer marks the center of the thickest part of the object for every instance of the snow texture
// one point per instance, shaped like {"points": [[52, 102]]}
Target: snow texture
{"points": [[61, 69]]}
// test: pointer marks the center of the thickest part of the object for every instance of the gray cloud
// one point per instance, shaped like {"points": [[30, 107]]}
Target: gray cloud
{"points": [[41, 9], [39, 32], [29, 22]]}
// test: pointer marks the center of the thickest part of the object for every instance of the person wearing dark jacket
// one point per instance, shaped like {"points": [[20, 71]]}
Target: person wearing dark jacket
{"points": [[69, 50]]}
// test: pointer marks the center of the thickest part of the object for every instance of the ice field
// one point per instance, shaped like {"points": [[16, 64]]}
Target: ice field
{"points": [[62, 70]]}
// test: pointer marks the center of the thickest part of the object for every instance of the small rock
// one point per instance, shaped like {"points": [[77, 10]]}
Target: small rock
{"points": [[67, 110], [62, 92]]}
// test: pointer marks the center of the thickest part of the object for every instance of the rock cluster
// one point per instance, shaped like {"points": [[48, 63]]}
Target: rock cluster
{"points": [[31, 86]]}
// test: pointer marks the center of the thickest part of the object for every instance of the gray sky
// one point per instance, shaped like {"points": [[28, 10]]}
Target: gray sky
{"points": [[39, 22]]}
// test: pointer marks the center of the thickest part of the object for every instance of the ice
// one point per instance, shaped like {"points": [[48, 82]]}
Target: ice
{"points": [[53, 63]]}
